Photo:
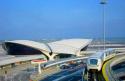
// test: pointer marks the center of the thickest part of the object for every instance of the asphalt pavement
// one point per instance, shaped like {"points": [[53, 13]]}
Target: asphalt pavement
{"points": [[70, 74]]}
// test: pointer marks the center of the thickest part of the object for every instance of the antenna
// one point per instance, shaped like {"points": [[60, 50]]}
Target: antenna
{"points": [[103, 3]]}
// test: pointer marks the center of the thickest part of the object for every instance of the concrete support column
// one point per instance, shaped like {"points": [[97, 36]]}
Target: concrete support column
{"points": [[39, 68], [52, 57], [46, 54], [78, 53]]}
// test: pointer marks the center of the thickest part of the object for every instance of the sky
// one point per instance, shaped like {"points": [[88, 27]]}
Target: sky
{"points": [[53, 19]]}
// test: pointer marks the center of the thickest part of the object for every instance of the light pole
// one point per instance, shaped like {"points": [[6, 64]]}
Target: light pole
{"points": [[103, 3]]}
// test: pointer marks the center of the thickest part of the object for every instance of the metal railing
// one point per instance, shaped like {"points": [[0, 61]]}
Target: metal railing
{"points": [[52, 63]]}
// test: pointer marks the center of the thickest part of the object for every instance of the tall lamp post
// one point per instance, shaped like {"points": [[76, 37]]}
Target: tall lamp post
{"points": [[103, 3]]}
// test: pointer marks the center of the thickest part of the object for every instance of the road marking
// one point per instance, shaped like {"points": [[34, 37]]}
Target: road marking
{"points": [[104, 72]]}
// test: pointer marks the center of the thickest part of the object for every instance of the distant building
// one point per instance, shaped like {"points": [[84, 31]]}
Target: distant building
{"points": [[62, 48]]}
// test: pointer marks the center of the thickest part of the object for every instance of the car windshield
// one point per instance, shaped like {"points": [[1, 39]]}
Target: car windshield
{"points": [[93, 61]]}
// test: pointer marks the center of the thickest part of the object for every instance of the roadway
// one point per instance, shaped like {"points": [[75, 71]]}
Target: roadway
{"points": [[76, 76], [107, 45], [118, 69], [72, 73], [107, 70]]}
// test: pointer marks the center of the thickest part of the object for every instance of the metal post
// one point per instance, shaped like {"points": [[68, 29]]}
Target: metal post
{"points": [[104, 25], [103, 2]]}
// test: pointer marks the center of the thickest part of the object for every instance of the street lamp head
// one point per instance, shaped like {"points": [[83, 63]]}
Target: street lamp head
{"points": [[103, 2]]}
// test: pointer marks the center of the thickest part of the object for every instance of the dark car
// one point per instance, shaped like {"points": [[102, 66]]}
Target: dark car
{"points": [[64, 67]]}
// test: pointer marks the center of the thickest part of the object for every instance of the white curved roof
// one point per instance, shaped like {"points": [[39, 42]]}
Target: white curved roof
{"points": [[67, 46], [59, 48], [77, 43], [33, 44]]}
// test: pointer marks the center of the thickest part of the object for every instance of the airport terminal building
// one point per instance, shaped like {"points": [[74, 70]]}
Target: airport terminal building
{"points": [[51, 50]]}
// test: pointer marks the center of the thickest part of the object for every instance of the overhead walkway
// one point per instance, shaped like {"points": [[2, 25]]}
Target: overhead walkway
{"points": [[52, 63], [11, 60]]}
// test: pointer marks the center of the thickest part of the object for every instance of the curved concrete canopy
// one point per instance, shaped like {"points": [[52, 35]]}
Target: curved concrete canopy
{"points": [[33, 44], [67, 46], [77, 43], [60, 48]]}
